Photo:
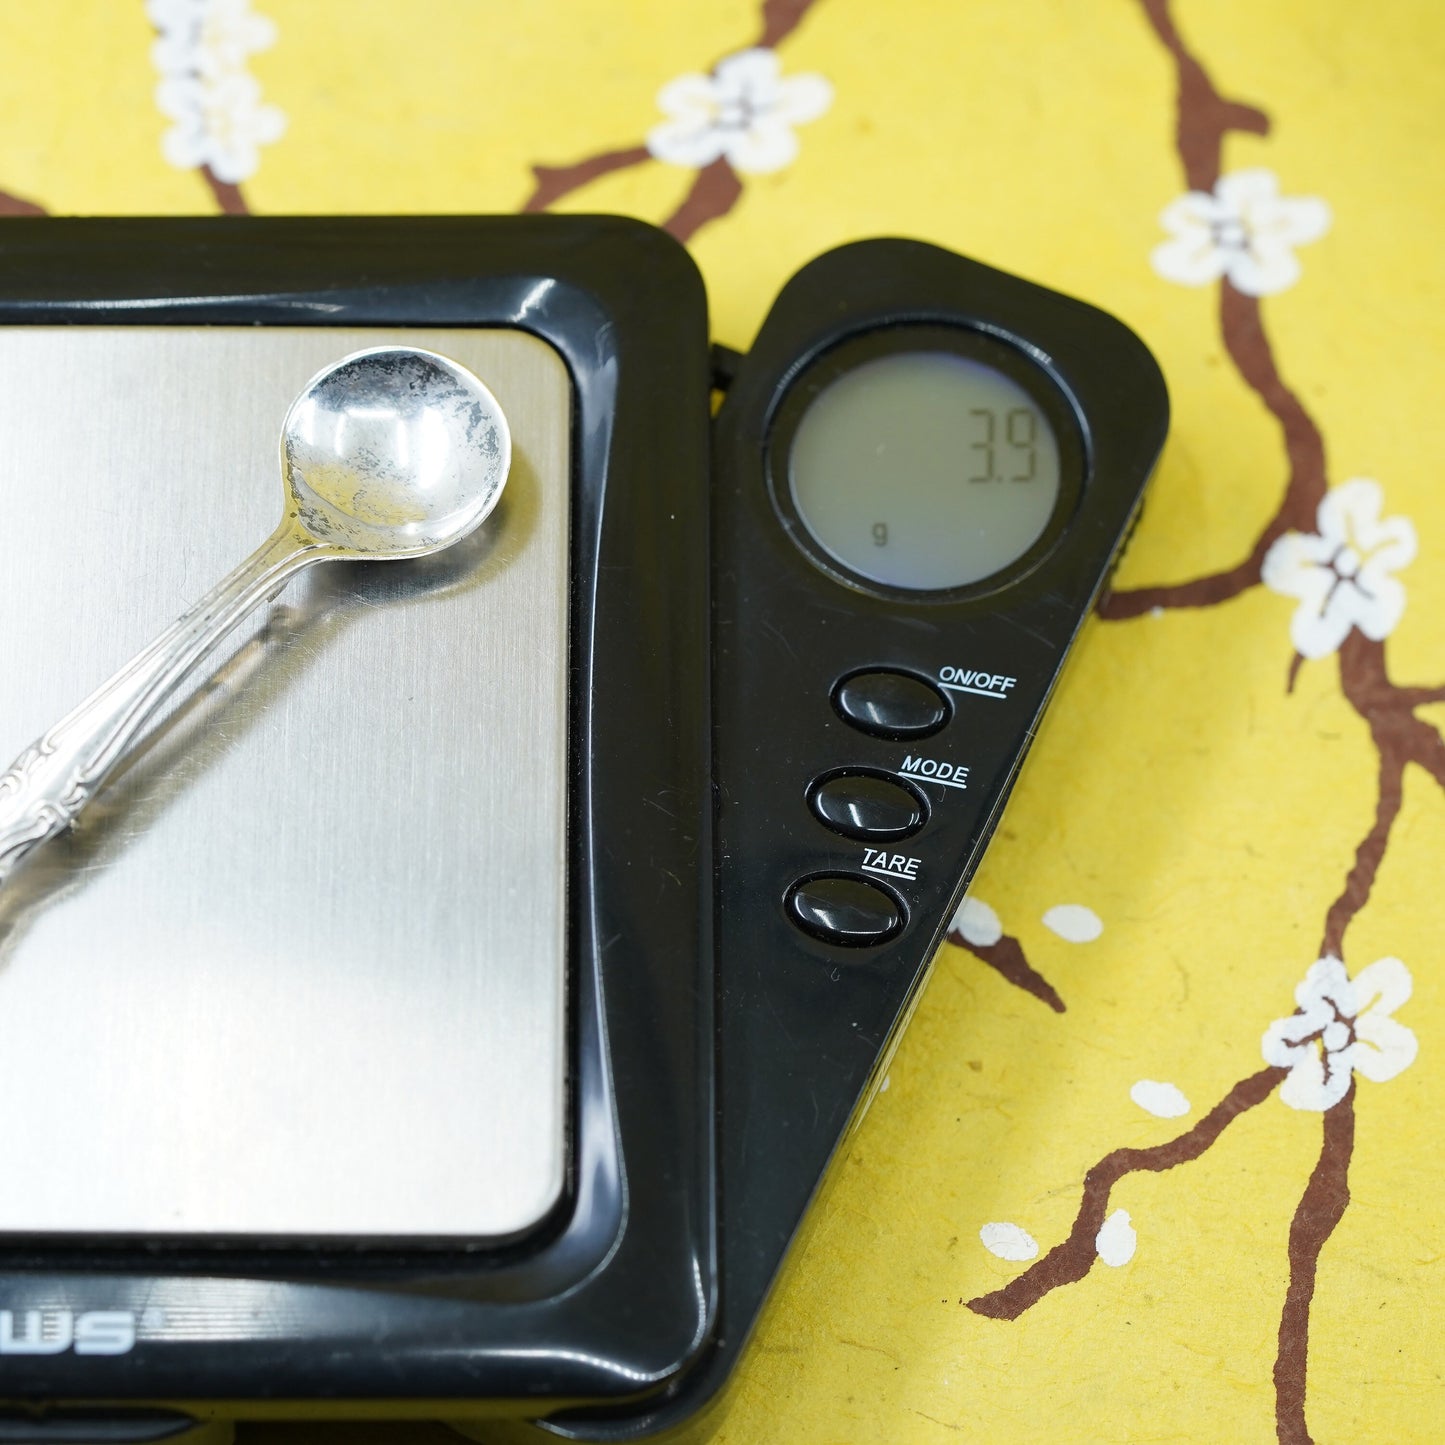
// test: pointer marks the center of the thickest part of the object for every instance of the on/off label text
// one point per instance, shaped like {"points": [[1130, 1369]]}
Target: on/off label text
{"points": [[980, 683]]}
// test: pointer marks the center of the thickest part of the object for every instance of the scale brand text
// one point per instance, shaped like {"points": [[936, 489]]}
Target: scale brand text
{"points": [[52, 1332]]}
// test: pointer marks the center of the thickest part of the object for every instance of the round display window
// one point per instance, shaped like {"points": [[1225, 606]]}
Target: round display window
{"points": [[927, 468]]}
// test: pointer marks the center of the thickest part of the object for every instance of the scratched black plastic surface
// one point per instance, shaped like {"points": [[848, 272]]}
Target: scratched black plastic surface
{"points": [[625, 307], [804, 1025]]}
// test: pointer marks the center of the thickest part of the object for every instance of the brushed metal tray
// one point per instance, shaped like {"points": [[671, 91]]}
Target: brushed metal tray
{"points": [[300, 972]]}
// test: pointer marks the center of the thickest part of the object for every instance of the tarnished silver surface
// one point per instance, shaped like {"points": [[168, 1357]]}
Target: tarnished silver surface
{"points": [[390, 453], [300, 971]]}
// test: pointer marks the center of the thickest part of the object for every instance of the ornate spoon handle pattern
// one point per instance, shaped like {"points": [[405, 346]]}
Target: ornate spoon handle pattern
{"points": [[57, 775]]}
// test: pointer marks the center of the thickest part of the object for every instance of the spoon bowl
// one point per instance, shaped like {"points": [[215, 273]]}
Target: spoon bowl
{"points": [[394, 452]]}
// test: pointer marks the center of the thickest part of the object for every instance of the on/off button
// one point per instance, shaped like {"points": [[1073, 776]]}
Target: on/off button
{"points": [[891, 704]]}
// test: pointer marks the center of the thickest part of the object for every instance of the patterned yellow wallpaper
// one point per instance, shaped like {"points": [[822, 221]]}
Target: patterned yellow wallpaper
{"points": [[1159, 1159]]}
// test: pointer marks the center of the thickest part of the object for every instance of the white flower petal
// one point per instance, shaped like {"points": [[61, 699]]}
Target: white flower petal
{"points": [[1349, 509], [1345, 607], [689, 97], [1263, 270], [165, 13], [1317, 1081], [1382, 1048], [268, 124], [1164, 1101], [764, 147], [234, 161], [977, 922], [1380, 608], [1008, 1241], [1295, 566], [173, 55], [802, 98], [1328, 985], [1192, 214], [1074, 922], [1116, 1239], [684, 143], [1293, 220], [749, 72], [1240, 190], [1380, 988], [181, 98], [1283, 1044], [1189, 260], [1389, 546], [184, 147]]}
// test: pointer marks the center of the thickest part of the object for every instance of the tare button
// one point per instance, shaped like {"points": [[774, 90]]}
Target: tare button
{"points": [[979, 683]]}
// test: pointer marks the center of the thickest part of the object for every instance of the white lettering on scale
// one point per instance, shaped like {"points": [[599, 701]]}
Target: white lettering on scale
{"points": [[891, 865], [976, 681], [935, 770], [52, 1332]]}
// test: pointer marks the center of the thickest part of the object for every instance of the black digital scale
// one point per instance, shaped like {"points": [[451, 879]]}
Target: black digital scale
{"points": [[463, 997]]}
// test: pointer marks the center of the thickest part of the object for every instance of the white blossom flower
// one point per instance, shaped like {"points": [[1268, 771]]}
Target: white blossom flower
{"points": [[1341, 574], [206, 37], [220, 121], [1343, 1024], [221, 124], [745, 110], [1244, 230]]}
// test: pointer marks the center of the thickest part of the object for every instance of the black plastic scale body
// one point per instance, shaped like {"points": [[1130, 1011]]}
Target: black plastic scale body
{"points": [[783, 771]]}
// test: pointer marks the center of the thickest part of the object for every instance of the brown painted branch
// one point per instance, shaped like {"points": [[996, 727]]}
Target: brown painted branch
{"points": [[1244, 336], [1210, 591], [228, 196], [1413, 697], [1368, 856], [17, 206], [780, 19], [554, 182], [1242, 327], [1070, 1261], [1400, 738], [1006, 957], [1320, 1209], [1204, 117], [714, 193]]}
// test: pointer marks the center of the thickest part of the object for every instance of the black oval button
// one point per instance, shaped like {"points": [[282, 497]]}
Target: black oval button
{"points": [[839, 908], [891, 704], [869, 805]]}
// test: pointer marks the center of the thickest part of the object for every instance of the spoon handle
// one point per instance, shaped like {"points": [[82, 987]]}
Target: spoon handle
{"points": [[59, 773]]}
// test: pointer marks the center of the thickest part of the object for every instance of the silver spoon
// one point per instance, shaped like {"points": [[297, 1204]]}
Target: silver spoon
{"points": [[391, 452]]}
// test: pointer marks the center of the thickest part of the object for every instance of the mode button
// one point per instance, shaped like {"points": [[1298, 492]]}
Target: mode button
{"points": [[891, 704]]}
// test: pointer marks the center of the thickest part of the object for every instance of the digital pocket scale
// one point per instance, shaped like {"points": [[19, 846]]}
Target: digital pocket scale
{"points": [[453, 1008]]}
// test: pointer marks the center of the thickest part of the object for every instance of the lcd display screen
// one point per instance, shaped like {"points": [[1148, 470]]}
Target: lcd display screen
{"points": [[925, 470]]}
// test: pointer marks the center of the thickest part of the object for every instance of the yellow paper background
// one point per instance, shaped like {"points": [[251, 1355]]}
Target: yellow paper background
{"points": [[1205, 814]]}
